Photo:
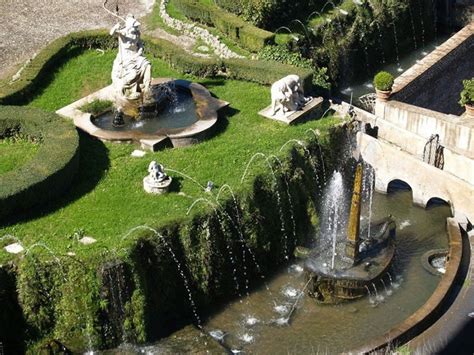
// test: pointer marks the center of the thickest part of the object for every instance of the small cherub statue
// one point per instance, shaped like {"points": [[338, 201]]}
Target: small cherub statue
{"points": [[157, 172]]}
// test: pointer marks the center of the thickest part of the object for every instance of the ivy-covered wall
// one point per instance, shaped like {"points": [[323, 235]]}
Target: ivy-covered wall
{"points": [[142, 291], [355, 45]]}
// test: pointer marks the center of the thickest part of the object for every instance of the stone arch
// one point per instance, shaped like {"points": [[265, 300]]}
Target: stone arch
{"points": [[398, 185], [437, 201]]}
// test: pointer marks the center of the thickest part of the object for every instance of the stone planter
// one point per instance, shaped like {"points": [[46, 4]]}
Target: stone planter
{"points": [[469, 110], [383, 95]]}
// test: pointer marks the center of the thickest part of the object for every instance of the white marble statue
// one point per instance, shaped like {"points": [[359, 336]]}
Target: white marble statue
{"points": [[156, 172], [131, 72], [288, 94], [156, 182]]}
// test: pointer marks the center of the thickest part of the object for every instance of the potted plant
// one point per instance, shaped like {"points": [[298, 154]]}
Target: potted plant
{"points": [[383, 83], [467, 97]]}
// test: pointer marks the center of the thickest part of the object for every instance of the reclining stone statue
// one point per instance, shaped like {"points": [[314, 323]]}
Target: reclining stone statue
{"points": [[288, 94]]}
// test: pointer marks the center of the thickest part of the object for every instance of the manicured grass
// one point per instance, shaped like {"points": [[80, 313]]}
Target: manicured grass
{"points": [[15, 152], [107, 197]]}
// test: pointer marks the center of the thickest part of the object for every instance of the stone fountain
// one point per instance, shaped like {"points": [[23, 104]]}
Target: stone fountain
{"points": [[343, 269], [152, 112]]}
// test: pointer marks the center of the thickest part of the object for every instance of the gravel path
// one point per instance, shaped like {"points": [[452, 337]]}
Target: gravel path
{"points": [[26, 26]]}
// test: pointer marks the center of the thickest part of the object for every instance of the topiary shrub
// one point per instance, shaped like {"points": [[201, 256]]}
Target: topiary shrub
{"points": [[467, 95], [50, 171], [383, 81]]}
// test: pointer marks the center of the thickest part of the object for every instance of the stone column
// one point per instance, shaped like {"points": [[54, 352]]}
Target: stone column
{"points": [[353, 241]]}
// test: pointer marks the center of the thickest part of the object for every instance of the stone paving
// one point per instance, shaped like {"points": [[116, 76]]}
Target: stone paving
{"points": [[28, 25]]}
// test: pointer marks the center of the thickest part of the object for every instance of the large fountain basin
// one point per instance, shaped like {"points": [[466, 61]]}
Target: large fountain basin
{"points": [[181, 133], [348, 281]]}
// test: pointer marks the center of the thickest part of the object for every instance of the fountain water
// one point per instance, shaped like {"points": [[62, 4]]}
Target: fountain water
{"points": [[290, 205], [422, 22], [278, 197], [395, 36], [228, 246], [332, 217], [178, 266], [412, 27], [355, 260], [241, 235], [308, 324]]}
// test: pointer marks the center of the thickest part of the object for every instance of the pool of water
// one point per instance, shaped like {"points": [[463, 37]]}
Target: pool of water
{"points": [[176, 113], [255, 324]]}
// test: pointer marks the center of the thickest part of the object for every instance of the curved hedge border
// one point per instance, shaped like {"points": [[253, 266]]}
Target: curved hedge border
{"points": [[262, 72], [20, 91], [50, 171]]}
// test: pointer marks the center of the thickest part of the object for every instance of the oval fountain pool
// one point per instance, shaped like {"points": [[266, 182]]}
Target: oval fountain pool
{"points": [[186, 122], [316, 328], [179, 112]]}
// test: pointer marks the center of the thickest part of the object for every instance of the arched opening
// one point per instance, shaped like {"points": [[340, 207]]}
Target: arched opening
{"points": [[371, 131], [436, 202], [398, 185]]}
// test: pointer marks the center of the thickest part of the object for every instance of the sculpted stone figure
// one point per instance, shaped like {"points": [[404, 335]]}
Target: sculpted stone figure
{"points": [[131, 72], [157, 173], [288, 94], [156, 182]]}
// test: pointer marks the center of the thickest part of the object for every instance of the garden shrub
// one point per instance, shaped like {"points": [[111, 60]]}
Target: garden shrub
{"points": [[467, 94], [265, 72], [248, 36], [50, 171], [383, 81]]}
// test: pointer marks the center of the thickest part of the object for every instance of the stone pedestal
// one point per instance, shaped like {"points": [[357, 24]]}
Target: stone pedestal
{"points": [[309, 110], [152, 186]]}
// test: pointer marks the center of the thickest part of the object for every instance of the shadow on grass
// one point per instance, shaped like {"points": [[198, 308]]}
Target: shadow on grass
{"points": [[210, 83], [45, 76], [94, 161], [223, 121], [176, 184]]}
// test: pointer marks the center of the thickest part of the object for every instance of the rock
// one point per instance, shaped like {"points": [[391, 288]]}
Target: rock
{"points": [[203, 49], [87, 240], [137, 153], [301, 252], [14, 248]]}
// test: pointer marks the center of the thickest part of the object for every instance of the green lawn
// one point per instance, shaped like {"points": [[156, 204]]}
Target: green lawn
{"points": [[15, 152], [107, 199]]}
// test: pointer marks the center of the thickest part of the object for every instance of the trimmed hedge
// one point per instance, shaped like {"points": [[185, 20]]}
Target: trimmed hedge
{"points": [[266, 72], [247, 35], [33, 74], [50, 171], [262, 72]]}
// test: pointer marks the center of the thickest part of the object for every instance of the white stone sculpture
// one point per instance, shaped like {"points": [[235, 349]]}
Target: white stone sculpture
{"points": [[156, 182], [288, 95], [131, 72]]}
